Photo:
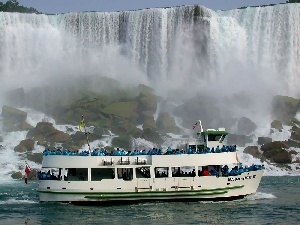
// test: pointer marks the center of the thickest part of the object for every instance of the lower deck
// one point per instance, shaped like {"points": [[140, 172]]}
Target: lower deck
{"points": [[146, 189]]}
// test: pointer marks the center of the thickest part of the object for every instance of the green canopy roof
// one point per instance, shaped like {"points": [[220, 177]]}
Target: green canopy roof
{"points": [[213, 132]]}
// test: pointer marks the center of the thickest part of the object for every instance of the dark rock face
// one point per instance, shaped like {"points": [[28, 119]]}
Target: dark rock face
{"points": [[276, 124], [263, 140], [246, 126], [17, 175], [295, 122], [292, 143], [166, 124], [295, 136], [253, 150], [79, 138], [14, 119], [295, 133], [45, 132], [284, 108], [276, 152], [31, 176], [35, 157], [13, 114], [122, 141], [25, 145], [239, 140], [152, 136]]}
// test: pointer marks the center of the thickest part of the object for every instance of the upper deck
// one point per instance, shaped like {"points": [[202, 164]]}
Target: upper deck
{"points": [[66, 161]]}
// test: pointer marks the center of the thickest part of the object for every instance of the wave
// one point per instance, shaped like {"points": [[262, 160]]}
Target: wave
{"points": [[260, 195]]}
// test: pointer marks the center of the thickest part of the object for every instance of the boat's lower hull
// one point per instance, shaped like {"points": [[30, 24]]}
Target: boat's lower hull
{"points": [[133, 201], [198, 189]]}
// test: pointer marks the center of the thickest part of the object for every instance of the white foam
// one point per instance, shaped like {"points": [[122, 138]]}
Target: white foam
{"points": [[260, 195], [17, 201]]}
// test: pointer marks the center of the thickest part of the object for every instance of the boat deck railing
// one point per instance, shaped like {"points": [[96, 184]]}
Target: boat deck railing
{"points": [[122, 152]]}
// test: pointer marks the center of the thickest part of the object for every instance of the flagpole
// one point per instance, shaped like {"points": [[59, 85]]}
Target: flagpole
{"points": [[86, 134]]}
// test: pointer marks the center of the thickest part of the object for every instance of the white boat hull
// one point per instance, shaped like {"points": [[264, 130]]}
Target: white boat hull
{"points": [[151, 189]]}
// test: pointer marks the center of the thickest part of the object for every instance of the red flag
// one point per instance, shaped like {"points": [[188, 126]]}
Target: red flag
{"points": [[27, 171], [195, 125]]}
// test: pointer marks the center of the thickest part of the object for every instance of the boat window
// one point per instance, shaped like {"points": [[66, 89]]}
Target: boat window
{"points": [[51, 174], [125, 173], [161, 172], [186, 171], [192, 147], [143, 172], [222, 138], [76, 174], [214, 137], [98, 174]]}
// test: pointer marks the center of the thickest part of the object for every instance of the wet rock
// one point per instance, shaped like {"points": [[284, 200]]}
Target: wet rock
{"points": [[17, 175], [13, 114], [253, 150], [44, 131], [35, 157], [166, 124], [14, 119], [284, 108], [122, 141], [292, 143], [147, 101], [152, 135], [263, 140], [276, 152], [124, 110], [148, 121], [25, 145], [32, 175], [276, 124], [246, 126], [295, 136], [295, 122]]}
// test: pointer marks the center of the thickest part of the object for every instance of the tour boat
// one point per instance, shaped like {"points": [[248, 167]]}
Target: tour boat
{"points": [[200, 172]]}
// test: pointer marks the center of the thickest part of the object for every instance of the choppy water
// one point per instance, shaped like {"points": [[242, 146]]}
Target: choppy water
{"points": [[276, 202]]}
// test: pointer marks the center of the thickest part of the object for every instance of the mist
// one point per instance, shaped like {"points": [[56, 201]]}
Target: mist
{"points": [[235, 59]]}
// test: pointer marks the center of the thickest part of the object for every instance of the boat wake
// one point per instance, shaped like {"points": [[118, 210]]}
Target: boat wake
{"points": [[260, 195], [13, 201]]}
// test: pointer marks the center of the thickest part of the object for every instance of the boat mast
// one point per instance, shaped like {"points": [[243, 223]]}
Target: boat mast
{"points": [[200, 126], [86, 133], [199, 136]]}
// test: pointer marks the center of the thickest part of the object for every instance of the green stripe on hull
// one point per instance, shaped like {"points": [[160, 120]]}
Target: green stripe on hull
{"points": [[154, 195]]}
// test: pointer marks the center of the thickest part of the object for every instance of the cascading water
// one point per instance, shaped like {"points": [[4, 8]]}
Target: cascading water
{"points": [[191, 49]]}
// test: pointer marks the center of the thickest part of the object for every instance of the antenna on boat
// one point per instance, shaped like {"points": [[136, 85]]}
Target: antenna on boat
{"points": [[82, 123], [200, 126]]}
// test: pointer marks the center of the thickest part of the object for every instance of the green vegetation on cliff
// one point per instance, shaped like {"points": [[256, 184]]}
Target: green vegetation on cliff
{"points": [[14, 6]]}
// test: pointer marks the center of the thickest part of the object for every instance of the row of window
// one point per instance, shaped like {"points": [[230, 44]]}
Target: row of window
{"points": [[98, 174]]}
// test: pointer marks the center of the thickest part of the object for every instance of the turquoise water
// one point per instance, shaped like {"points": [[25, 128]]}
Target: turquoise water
{"points": [[276, 202]]}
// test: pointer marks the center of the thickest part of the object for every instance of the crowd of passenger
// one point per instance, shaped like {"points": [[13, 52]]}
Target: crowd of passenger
{"points": [[47, 176], [153, 151], [213, 171]]}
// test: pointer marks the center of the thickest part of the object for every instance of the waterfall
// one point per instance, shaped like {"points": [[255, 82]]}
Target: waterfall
{"points": [[246, 55]]}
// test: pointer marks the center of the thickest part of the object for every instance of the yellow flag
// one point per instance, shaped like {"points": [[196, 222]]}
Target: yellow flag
{"points": [[81, 124]]}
